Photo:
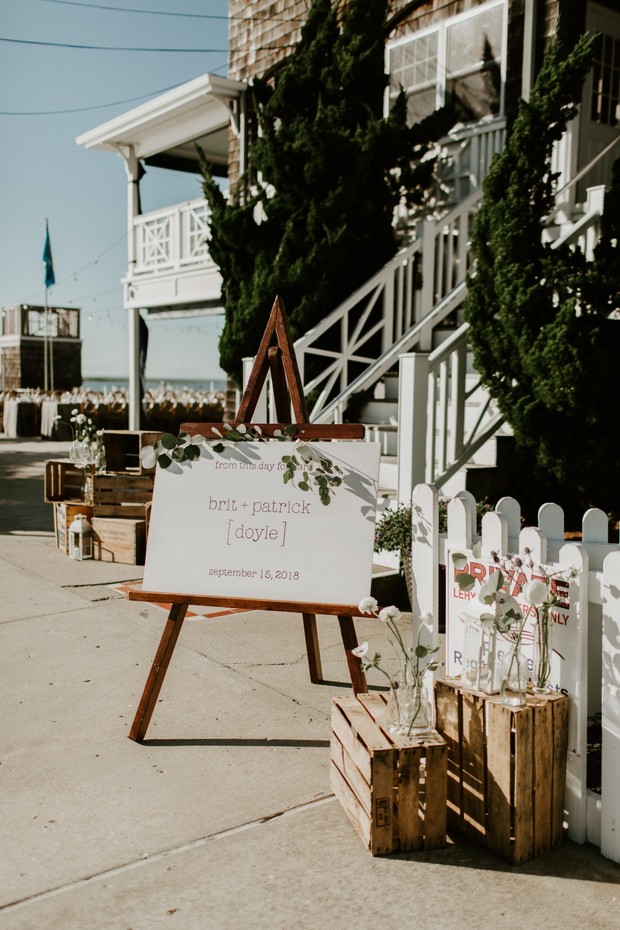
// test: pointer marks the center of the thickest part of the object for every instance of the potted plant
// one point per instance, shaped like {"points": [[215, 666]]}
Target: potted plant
{"points": [[393, 534]]}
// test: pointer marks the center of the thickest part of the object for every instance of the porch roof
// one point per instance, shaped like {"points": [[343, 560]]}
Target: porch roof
{"points": [[163, 131]]}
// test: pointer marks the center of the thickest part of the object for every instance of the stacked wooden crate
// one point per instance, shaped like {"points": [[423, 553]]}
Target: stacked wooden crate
{"points": [[117, 502], [506, 769]]}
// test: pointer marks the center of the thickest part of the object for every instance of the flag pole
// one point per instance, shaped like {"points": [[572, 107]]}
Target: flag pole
{"points": [[50, 279], [45, 373]]}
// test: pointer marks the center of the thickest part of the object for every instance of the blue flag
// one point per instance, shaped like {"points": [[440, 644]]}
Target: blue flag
{"points": [[50, 278]]}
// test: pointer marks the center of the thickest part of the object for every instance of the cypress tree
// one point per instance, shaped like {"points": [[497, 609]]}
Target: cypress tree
{"points": [[326, 173], [540, 329]]}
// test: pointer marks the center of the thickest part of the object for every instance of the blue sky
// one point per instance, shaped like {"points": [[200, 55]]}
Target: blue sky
{"points": [[45, 174]]}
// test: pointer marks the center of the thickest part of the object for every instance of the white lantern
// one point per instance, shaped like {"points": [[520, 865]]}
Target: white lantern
{"points": [[80, 538]]}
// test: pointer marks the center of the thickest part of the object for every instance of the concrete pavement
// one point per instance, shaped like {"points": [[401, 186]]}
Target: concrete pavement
{"points": [[223, 818]]}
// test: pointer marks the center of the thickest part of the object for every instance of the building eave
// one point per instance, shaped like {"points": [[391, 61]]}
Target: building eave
{"points": [[197, 110]]}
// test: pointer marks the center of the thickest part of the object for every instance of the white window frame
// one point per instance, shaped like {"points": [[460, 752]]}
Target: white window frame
{"points": [[441, 29]]}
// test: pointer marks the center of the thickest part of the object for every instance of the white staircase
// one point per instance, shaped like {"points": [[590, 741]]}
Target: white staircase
{"points": [[439, 426], [395, 355]]}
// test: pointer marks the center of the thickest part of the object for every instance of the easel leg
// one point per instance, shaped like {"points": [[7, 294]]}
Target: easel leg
{"points": [[349, 640], [158, 672], [312, 648]]}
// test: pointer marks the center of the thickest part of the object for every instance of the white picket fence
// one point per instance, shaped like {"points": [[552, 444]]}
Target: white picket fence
{"points": [[589, 642]]}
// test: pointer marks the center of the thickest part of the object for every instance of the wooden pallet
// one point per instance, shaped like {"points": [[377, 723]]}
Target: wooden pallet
{"points": [[393, 788], [506, 769]]}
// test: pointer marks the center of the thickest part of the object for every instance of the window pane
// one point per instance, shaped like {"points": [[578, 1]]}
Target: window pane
{"points": [[475, 40], [414, 64], [475, 95], [420, 105], [605, 81]]}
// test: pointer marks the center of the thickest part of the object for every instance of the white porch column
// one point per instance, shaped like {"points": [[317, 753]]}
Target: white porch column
{"points": [[529, 38], [133, 204], [412, 422], [134, 400]]}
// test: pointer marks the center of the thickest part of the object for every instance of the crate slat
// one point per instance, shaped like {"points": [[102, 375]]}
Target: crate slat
{"points": [[435, 796], [543, 778], [560, 754], [357, 815]]}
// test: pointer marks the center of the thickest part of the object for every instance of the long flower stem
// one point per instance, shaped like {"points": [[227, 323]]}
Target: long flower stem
{"points": [[544, 653]]}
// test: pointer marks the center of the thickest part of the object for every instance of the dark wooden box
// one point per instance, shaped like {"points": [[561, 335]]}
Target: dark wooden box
{"points": [[123, 448]]}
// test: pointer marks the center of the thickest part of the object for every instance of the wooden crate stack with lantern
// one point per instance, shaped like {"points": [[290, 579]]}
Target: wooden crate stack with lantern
{"points": [[117, 503]]}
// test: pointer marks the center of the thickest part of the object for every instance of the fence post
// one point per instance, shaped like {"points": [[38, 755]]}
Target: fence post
{"points": [[425, 567], [610, 784], [574, 555], [412, 422], [427, 292]]}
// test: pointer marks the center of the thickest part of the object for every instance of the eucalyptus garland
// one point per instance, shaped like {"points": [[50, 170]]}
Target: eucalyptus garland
{"points": [[306, 469]]}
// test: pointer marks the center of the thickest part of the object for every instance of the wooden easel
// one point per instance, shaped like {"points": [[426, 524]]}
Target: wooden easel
{"points": [[275, 356]]}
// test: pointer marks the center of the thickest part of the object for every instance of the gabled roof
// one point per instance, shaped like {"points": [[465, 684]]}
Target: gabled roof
{"points": [[164, 130]]}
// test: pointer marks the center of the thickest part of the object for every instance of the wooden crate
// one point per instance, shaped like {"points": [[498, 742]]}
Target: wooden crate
{"points": [[64, 481], [64, 513], [393, 788], [122, 450], [121, 495], [506, 769], [119, 540]]}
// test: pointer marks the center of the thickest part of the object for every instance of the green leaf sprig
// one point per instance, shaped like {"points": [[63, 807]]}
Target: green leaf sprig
{"points": [[316, 470], [169, 449]]}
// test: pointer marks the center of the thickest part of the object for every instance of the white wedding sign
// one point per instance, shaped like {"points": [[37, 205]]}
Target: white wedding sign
{"points": [[227, 525]]}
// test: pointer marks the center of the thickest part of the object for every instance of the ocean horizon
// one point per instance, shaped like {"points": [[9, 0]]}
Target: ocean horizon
{"points": [[105, 384]]}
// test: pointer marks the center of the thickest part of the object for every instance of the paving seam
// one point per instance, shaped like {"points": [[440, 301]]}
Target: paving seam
{"points": [[147, 858]]}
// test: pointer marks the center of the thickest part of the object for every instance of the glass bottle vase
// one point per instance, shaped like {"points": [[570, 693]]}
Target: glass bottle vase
{"points": [[410, 711], [513, 677], [479, 651]]}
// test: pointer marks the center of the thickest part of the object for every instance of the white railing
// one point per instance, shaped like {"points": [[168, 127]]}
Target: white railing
{"points": [[585, 232], [172, 239], [351, 348], [574, 185], [436, 393], [466, 153]]}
